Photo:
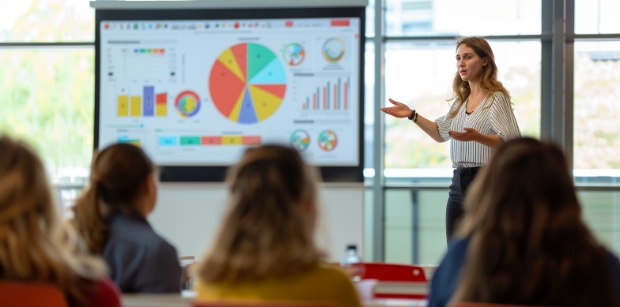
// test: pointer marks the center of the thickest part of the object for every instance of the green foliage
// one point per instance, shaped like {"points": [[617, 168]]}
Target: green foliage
{"points": [[47, 98]]}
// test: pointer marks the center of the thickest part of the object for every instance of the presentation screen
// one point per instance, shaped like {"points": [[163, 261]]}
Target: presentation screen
{"points": [[195, 92]]}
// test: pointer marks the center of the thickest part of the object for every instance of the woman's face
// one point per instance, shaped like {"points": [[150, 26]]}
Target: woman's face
{"points": [[468, 63]]}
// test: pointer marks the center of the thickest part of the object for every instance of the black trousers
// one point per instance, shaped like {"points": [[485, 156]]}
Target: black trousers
{"points": [[461, 179]]}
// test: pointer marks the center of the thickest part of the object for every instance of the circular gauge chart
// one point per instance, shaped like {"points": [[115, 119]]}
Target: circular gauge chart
{"points": [[300, 139], [294, 54], [333, 50], [247, 83], [187, 103], [328, 140]]}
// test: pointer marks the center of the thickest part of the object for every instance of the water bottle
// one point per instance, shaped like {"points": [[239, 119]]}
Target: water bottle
{"points": [[352, 263]]}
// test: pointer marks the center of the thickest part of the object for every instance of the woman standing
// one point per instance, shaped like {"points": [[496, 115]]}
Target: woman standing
{"points": [[479, 121]]}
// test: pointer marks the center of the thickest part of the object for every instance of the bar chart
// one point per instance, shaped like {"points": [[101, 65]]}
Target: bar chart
{"points": [[148, 104], [333, 95]]}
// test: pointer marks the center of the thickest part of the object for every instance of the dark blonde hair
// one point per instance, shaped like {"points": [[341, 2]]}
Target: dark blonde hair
{"points": [[268, 231], [529, 244], [487, 78], [34, 245], [117, 176]]}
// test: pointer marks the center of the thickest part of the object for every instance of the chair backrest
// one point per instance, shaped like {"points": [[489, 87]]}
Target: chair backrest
{"points": [[19, 294], [392, 272], [262, 304]]}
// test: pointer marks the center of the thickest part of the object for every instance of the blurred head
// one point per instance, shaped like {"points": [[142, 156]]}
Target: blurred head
{"points": [[475, 62], [269, 228], [34, 246], [529, 244], [527, 183], [122, 181]]}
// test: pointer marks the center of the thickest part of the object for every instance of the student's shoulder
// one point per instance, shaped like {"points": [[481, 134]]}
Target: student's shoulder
{"points": [[137, 233]]}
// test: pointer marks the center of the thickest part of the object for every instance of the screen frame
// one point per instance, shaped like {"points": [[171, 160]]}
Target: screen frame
{"points": [[205, 173]]}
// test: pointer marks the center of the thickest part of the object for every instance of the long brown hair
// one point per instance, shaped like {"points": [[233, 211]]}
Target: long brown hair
{"points": [[529, 244], [34, 245], [117, 176], [487, 78], [268, 230]]}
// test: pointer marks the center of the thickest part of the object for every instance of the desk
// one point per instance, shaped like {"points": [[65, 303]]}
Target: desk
{"points": [[173, 300]]}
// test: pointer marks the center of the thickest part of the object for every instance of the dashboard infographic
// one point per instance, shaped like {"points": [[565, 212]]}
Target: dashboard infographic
{"points": [[199, 92]]}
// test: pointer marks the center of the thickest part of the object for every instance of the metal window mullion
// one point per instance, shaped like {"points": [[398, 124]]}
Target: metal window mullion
{"points": [[378, 149], [569, 68]]}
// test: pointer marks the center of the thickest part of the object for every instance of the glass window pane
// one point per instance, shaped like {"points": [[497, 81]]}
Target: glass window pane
{"points": [[597, 16], [420, 75], [370, 18], [601, 211], [369, 105], [453, 17], [597, 75], [48, 101], [46, 21], [415, 230]]}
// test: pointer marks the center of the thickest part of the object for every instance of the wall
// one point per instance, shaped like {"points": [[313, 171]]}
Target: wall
{"points": [[189, 215]]}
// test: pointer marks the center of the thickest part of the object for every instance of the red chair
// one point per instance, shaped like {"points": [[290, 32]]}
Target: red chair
{"points": [[262, 304], [392, 272], [391, 280], [21, 294]]}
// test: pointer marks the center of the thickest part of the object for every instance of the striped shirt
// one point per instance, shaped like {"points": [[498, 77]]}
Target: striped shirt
{"points": [[493, 115]]}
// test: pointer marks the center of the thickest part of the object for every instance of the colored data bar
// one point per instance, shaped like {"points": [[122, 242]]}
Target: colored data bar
{"points": [[329, 97], [135, 142], [161, 103], [152, 51], [148, 105], [194, 140]]}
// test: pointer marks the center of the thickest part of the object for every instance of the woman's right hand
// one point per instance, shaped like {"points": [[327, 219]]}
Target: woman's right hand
{"points": [[399, 109]]}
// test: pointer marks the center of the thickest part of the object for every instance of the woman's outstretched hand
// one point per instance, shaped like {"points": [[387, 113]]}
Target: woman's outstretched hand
{"points": [[468, 135], [399, 110]]}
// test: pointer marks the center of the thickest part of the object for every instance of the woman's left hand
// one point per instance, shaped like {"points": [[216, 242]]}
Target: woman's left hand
{"points": [[468, 135]]}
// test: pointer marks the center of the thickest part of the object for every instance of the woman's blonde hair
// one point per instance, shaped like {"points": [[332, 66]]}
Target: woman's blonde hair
{"points": [[117, 175], [487, 78], [528, 242], [268, 231], [34, 245]]}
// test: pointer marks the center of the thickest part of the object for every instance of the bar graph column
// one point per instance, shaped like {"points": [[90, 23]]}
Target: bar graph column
{"points": [[148, 96], [135, 101], [161, 104], [123, 105]]}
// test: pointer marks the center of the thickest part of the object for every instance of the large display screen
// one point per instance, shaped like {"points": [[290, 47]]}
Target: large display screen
{"points": [[198, 92]]}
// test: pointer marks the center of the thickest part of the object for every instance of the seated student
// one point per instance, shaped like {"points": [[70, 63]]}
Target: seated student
{"points": [[265, 248], [111, 216], [523, 240], [34, 245]]}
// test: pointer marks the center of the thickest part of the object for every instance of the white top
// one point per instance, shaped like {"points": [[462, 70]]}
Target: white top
{"points": [[493, 115]]}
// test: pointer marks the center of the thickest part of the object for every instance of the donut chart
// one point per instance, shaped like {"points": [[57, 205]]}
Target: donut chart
{"points": [[187, 103], [328, 140], [300, 139], [247, 83]]}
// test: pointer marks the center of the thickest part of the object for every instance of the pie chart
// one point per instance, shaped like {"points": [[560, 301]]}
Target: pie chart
{"points": [[300, 139], [247, 83], [328, 140]]}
